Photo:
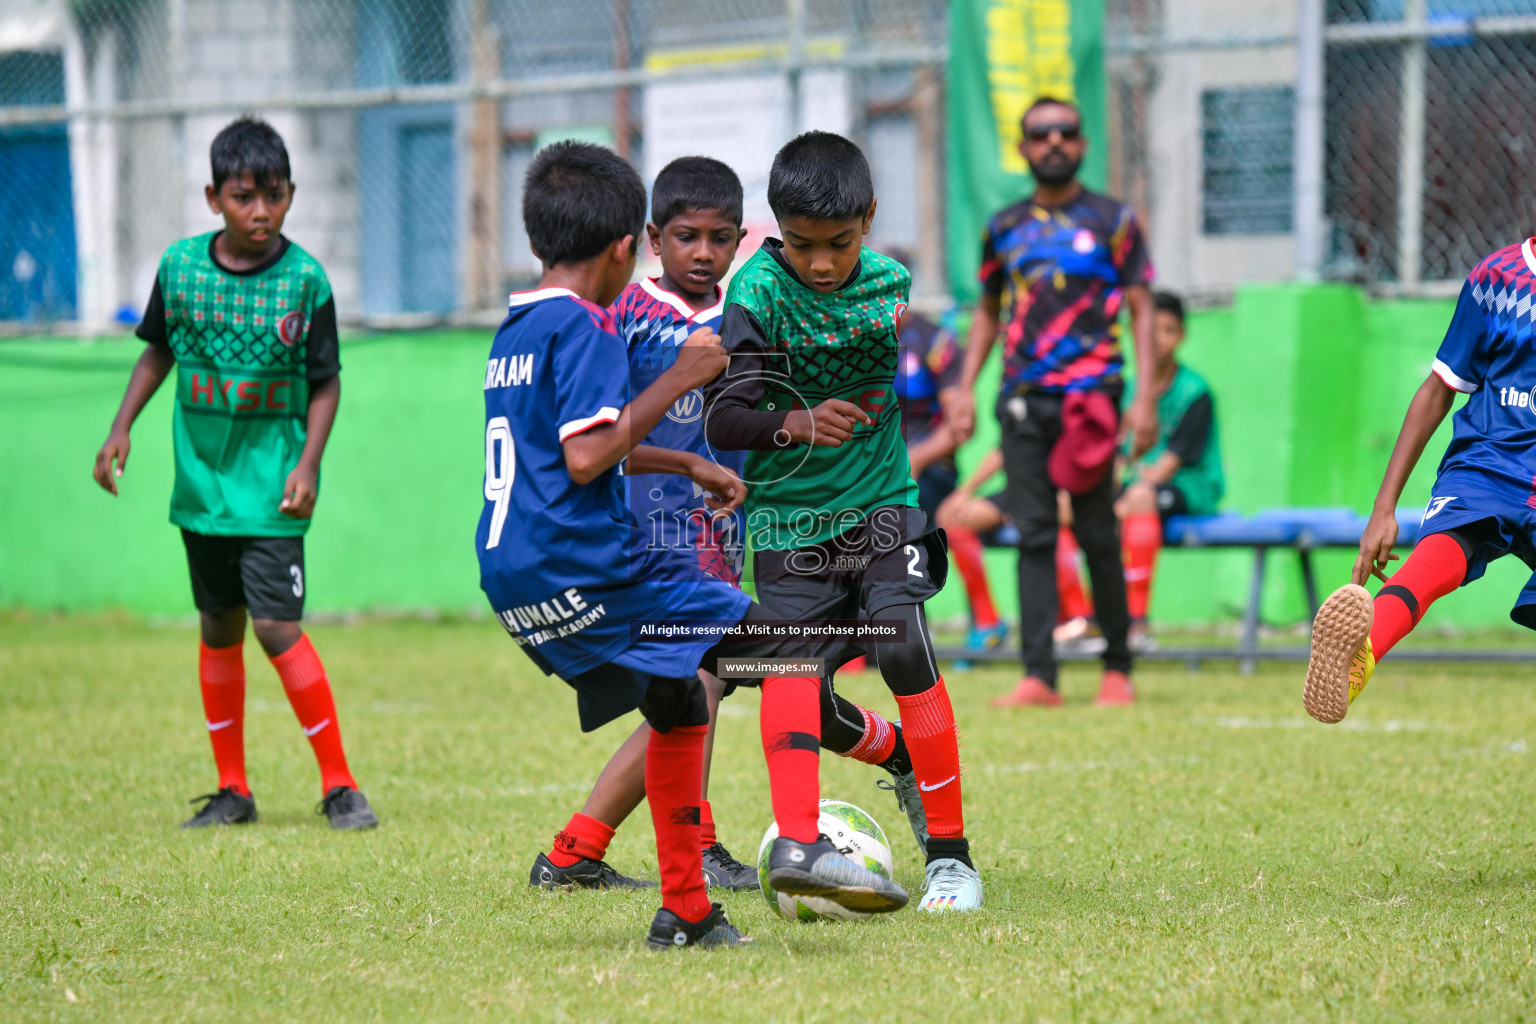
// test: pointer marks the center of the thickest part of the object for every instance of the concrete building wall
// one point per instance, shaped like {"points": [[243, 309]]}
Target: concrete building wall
{"points": [[1187, 258]]}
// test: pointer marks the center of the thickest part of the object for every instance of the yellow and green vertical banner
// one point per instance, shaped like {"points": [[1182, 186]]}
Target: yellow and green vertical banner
{"points": [[1004, 54]]}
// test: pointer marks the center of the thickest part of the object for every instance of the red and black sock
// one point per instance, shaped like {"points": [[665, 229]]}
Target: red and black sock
{"points": [[790, 721], [583, 837], [1435, 568], [966, 550], [1072, 602], [928, 722], [1140, 540], [221, 676], [309, 693], [674, 778]]}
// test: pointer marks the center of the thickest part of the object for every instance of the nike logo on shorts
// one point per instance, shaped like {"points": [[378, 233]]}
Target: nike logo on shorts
{"points": [[310, 731], [216, 726], [937, 785]]}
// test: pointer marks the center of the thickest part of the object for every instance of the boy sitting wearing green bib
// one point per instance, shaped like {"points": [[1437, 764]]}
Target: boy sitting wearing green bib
{"points": [[1180, 475]]}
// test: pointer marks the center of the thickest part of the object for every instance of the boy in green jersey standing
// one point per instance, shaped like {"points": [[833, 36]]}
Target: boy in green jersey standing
{"points": [[245, 320], [811, 324]]}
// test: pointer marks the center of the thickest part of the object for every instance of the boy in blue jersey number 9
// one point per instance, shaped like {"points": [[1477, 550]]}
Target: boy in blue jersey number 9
{"points": [[568, 573]]}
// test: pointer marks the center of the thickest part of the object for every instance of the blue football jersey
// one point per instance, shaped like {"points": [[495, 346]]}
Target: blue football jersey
{"points": [[670, 509], [1489, 353], [558, 560]]}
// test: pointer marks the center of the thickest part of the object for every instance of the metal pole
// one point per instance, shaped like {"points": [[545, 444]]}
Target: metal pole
{"points": [[1308, 153], [1410, 151], [794, 12]]}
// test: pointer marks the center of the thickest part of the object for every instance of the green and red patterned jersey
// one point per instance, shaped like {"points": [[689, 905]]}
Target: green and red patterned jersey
{"points": [[793, 347], [247, 346]]}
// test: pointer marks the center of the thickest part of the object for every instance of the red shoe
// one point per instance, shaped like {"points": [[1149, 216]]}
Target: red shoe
{"points": [[1115, 690], [1030, 692], [854, 667]]}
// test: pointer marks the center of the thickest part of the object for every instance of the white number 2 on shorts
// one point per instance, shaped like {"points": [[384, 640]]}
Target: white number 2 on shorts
{"points": [[912, 569], [500, 470]]}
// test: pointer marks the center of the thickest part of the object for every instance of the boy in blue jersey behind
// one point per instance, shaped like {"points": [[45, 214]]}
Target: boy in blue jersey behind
{"points": [[562, 568], [695, 228], [1483, 505]]}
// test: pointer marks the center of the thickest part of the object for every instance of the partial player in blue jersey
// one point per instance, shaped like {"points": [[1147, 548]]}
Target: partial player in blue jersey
{"points": [[695, 229], [564, 563], [1483, 505]]}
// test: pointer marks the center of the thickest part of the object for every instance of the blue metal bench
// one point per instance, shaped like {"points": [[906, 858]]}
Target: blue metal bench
{"points": [[1303, 530]]}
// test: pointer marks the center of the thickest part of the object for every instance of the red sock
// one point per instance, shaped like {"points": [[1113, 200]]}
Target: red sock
{"points": [[928, 723], [1071, 601], [879, 740], [1435, 568], [674, 778], [790, 721], [221, 673], [583, 836], [965, 548], [309, 693], [706, 825], [1140, 539]]}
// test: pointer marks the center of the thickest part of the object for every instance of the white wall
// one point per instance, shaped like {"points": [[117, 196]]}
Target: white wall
{"points": [[1187, 259]]}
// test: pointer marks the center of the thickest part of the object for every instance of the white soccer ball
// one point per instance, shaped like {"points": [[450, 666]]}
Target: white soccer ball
{"points": [[856, 835]]}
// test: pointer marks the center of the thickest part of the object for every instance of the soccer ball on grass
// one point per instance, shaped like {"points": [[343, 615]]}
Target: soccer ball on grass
{"points": [[856, 835]]}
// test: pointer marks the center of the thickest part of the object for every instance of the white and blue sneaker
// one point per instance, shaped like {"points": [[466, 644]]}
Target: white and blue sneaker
{"points": [[949, 884]]}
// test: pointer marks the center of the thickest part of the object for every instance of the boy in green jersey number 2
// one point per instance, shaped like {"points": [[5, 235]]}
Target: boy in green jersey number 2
{"points": [[810, 323], [245, 320]]}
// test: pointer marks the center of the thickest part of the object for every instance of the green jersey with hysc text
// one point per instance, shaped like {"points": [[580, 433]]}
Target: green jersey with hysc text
{"points": [[247, 347]]}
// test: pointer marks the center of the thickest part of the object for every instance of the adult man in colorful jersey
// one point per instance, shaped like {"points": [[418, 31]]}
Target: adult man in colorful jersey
{"points": [[1067, 259]]}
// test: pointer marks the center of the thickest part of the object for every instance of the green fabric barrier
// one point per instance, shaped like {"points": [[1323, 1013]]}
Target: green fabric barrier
{"points": [[1003, 55], [1311, 384]]}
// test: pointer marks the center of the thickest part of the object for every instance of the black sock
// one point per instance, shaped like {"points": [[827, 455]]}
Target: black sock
{"points": [[958, 849], [900, 762]]}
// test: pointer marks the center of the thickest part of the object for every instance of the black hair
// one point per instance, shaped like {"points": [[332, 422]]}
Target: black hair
{"points": [[578, 199], [249, 145], [695, 183], [1052, 101], [1167, 302], [820, 175]]}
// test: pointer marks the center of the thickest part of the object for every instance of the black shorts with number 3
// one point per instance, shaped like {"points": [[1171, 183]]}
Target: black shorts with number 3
{"points": [[264, 574], [892, 559]]}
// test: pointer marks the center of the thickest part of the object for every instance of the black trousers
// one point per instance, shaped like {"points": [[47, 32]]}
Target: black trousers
{"points": [[1031, 423]]}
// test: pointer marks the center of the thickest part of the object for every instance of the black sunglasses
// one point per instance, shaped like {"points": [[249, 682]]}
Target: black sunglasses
{"points": [[1042, 132]]}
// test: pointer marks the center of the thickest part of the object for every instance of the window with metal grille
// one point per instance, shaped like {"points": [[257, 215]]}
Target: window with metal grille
{"points": [[31, 79], [1246, 138]]}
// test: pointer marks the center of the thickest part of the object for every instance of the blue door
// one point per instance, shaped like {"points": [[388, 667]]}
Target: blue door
{"points": [[37, 211], [426, 218]]}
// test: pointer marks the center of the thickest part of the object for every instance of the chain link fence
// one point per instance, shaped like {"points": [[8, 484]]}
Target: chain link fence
{"points": [[1431, 134], [1387, 142], [410, 123]]}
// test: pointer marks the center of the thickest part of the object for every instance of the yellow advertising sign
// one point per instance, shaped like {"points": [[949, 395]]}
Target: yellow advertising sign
{"points": [[1029, 55]]}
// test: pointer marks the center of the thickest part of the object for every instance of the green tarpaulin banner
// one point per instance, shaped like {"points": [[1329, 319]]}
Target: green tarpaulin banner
{"points": [[1003, 55]]}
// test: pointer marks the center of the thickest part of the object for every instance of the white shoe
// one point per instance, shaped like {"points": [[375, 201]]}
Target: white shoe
{"points": [[949, 885]]}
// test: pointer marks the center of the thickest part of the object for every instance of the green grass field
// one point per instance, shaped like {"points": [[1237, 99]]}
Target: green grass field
{"points": [[1211, 854]]}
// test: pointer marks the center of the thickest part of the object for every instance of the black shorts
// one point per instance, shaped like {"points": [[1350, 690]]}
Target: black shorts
{"points": [[263, 574], [1170, 502], [891, 559]]}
